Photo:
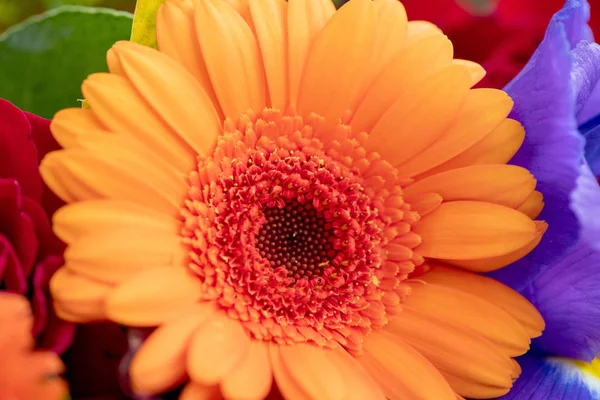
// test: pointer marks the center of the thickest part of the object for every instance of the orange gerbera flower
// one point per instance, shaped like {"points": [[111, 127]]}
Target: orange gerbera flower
{"points": [[293, 192], [25, 374]]}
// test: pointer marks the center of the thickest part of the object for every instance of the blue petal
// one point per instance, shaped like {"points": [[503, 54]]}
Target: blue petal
{"points": [[545, 105], [553, 379], [568, 296]]}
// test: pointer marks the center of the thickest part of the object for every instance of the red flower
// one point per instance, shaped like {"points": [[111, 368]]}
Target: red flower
{"points": [[502, 41], [30, 253]]}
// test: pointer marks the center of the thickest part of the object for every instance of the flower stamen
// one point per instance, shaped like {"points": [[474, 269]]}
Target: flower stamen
{"points": [[292, 240]]}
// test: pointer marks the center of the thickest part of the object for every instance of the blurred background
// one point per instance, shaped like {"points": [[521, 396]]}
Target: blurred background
{"points": [[48, 47], [14, 11]]}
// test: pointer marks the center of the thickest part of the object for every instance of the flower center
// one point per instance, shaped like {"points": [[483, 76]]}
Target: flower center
{"points": [[298, 243], [298, 238]]}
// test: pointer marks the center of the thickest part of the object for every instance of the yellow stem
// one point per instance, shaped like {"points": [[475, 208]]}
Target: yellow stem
{"points": [[144, 22]]}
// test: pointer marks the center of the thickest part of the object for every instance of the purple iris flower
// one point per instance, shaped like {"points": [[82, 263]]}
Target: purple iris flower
{"points": [[557, 99]]}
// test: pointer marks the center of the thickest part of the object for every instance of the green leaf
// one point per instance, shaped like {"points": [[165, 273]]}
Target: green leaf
{"points": [[58, 3], [339, 3], [144, 22], [44, 59], [479, 7]]}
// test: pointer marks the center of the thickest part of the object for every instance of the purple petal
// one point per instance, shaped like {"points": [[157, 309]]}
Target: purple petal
{"points": [[568, 297], [591, 132], [585, 74], [575, 15], [586, 205], [552, 379], [591, 109], [545, 105]]}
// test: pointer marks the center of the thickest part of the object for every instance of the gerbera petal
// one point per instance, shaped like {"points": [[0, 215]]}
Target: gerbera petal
{"points": [[75, 316], [117, 147], [75, 220], [241, 85], [418, 30], [78, 174], [497, 293], [176, 36], [309, 366], [305, 21], [117, 255], [121, 109], [159, 364], [506, 185], [556, 379], [469, 230], [483, 110], [338, 60], [251, 379], [114, 64], [71, 123], [216, 347], [476, 71], [79, 296], [270, 22], [196, 391], [242, 7], [483, 317], [359, 384], [533, 205], [173, 93], [443, 94], [424, 203], [153, 296], [386, 358], [473, 366], [288, 386], [391, 33], [495, 263], [403, 73], [496, 147]]}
